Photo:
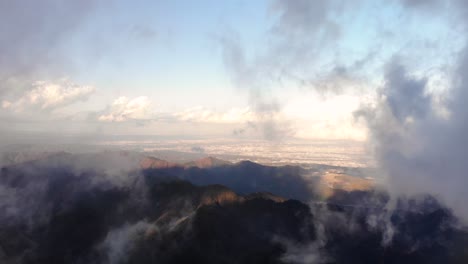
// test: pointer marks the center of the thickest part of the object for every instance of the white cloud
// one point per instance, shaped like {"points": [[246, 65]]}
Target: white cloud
{"points": [[206, 115], [124, 109], [47, 96]]}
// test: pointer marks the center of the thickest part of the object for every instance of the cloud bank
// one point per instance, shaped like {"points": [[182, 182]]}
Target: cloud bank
{"points": [[47, 96], [418, 150], [125, 109]]}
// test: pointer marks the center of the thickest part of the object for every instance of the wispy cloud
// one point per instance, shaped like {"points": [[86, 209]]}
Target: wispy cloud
{"points": [[126, 109], [31, 37], [48, 96], [205, 114]]}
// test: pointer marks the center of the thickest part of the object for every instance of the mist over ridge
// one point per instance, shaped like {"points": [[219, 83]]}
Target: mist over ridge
{"points": [[97, 207]]}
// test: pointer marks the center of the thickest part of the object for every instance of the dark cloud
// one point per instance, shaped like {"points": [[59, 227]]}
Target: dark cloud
{"points": [[33, 59], [418, 150], [301, 33], [405, 95], [143, 32], [198, 149], [422, 3], [249, 77], [305, 21], [31, 35]]}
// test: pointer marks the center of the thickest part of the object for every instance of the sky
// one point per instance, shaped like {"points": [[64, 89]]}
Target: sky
{"points": [[275, 70]]}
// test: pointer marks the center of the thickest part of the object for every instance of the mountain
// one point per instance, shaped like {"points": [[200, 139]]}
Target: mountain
{"points": [[70, 209], [246, 177], [155, 163], [151, 220], [203, 163], [207, 162], [17, 157]]}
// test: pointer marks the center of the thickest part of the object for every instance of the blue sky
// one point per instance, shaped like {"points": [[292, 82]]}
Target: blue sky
{"points": [[271, 69]]}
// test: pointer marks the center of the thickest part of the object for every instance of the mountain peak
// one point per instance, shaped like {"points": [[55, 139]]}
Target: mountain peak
{"points": [[265, 196], [155, 163], [207, 162]]}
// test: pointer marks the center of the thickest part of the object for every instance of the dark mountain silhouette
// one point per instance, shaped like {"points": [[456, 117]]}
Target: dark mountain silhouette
{"points": [[59, 212], [207, 162], [246, 177], [190, 220], [155, 163]]}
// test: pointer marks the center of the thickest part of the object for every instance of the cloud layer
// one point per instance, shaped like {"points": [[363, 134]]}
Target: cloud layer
{"points": [[125, 109], [47, 96]]}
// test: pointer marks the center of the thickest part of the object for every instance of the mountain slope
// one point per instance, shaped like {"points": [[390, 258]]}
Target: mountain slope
{"points": [[60, 212]]}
